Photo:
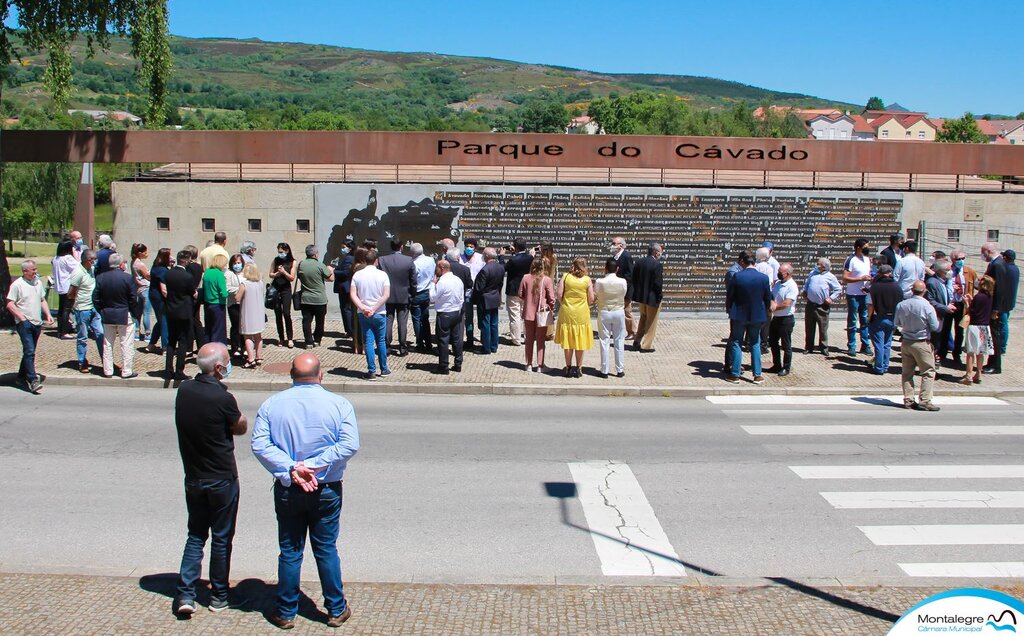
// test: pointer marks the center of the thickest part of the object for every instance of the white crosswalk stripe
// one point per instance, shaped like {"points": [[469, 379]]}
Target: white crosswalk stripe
{"points": [[926, 499], [983, 418]]}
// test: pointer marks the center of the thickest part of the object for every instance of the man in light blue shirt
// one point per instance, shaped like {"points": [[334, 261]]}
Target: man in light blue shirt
{"points": [[419, 305], [305, 436], [821, 290], [909, 270]]}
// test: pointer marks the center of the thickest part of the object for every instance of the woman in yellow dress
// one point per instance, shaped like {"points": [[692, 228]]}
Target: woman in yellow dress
{"points": [[574, 332]]}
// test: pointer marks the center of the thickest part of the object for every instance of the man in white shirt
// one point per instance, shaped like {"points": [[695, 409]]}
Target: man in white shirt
{"points": [[780, 330], [772, 261], [26, 302], [474, 260], [611, 315], [857, 272], [909, 269], [448, 294], [761, 264], [370, 291], [419, 305]]}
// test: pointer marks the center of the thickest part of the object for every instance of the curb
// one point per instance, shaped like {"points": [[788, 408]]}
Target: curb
{"points": [[578, 390]]}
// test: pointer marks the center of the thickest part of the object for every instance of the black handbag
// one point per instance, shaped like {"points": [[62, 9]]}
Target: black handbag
{"points": [[297, 294], [270, 300]]}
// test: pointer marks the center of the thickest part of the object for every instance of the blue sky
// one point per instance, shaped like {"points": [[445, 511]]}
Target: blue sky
{"points": [[939, 56]]}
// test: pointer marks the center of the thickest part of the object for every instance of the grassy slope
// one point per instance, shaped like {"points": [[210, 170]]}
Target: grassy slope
{"points": [[265, 68]]}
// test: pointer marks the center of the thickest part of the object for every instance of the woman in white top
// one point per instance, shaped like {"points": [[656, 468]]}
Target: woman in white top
{"points": [[253, 315], [141, 273], [232, 277], [64, 266], [611, 296]]}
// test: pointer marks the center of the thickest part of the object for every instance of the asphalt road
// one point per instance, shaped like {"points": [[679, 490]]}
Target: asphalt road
{"points": [[453, 489]]}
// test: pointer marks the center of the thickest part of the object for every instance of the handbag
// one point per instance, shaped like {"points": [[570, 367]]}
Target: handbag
{"points": [[965, 321], [297, 294], [270, 299], [543, 317]]}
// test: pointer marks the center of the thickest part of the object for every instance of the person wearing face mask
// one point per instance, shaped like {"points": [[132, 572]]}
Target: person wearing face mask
{"points": [[1002, 268], [77, 244], [26, 302], [856, 273], [780, 330], [894, 253], [821, 289], [964, 280], [475, 262], [343, 283], [207, 417], [940, 295], [114, 298], [910, 269], [232, 278], [283, 271], [885, 294], [916, 318]]}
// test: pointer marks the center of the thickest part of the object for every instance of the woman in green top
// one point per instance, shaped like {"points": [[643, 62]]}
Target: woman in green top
{"points": [[215, 297]]}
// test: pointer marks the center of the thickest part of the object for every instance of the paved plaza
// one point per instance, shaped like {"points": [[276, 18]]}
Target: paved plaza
{"points": [[687, 361]]}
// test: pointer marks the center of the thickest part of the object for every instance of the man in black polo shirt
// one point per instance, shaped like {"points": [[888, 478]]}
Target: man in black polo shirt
{"points": [[884, 293], [206, 416]]}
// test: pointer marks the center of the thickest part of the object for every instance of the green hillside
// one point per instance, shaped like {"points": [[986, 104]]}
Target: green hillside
{"points": [[256, 84]]}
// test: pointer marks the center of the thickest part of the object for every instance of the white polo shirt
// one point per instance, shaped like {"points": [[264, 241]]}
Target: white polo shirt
{"points": [[371, 285]]}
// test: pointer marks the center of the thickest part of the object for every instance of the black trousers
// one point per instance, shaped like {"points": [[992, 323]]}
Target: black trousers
{"points": [[64, 315], [958, 331], [234, 337], [311, 335], [449, 333], [198, 333], [283, 314], [940, 338], [780, 338], [179, 341], [398, 313], [345, 302]]}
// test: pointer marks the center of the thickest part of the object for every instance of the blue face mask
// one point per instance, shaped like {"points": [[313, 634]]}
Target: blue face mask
{"points": [[282, 255], [469, 251], [237, 267], [80, 243], [227, 371], [957, 266], [344, 250]]}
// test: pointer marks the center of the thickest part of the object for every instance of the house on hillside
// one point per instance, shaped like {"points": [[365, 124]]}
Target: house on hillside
{"points": [[838, 126], [900, 125], [583, 125], [115, 115], [1003, 131]]}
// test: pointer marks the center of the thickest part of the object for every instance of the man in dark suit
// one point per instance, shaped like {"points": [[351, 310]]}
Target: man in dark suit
{"points": [[894, 252], [487, 298], [463, 273], [516, 267], [343, 283], [1002, 268], [624, 263], [939, 295], [179, 306], [401, 270], [114, 297], [647, 281], [196, 270], [748, 299]]}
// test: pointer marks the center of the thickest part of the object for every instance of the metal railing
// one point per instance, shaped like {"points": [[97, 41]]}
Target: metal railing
{"points": [[368, 173]]}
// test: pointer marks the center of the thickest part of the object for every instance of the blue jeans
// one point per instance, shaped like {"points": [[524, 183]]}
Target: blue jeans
{"points": [[212, 508], [738, 331], [29, 337], [420, 310], [86, 318], [1003, 325], [375, 338], [881, 337], [856, 311], [317, 513], [488, 329], [160, 328], [142, 323]]}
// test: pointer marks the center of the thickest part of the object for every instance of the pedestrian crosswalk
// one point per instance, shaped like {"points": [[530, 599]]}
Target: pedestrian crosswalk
{"points": [[899, 489]]}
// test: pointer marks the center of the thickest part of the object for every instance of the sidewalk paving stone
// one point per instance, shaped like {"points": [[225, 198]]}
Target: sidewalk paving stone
{"points": [[687, 362]]}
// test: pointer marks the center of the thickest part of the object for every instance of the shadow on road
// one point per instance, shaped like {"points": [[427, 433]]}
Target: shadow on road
{"points": [[563, 491]]}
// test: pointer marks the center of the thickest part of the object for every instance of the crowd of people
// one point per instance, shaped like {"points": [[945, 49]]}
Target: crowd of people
{"points": [[945, 312], [178, 302]]}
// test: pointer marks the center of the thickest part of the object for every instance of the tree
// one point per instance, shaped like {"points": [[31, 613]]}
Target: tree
{"points": [[544, 117], [961, 131], [1020, 115], [875, 103], [54, 24]]}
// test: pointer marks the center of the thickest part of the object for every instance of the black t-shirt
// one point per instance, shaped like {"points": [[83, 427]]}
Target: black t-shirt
{"points": [[204, 412], [885, 295]]}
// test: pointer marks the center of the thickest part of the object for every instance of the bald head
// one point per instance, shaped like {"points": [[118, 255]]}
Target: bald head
{"points": [[785, 269], [212, 357], [919, 288], [306, 368], [443, 267], [989, 251]]}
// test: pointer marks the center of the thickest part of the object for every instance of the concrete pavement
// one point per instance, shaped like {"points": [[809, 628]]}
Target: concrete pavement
{"points": [[686, 363]]}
